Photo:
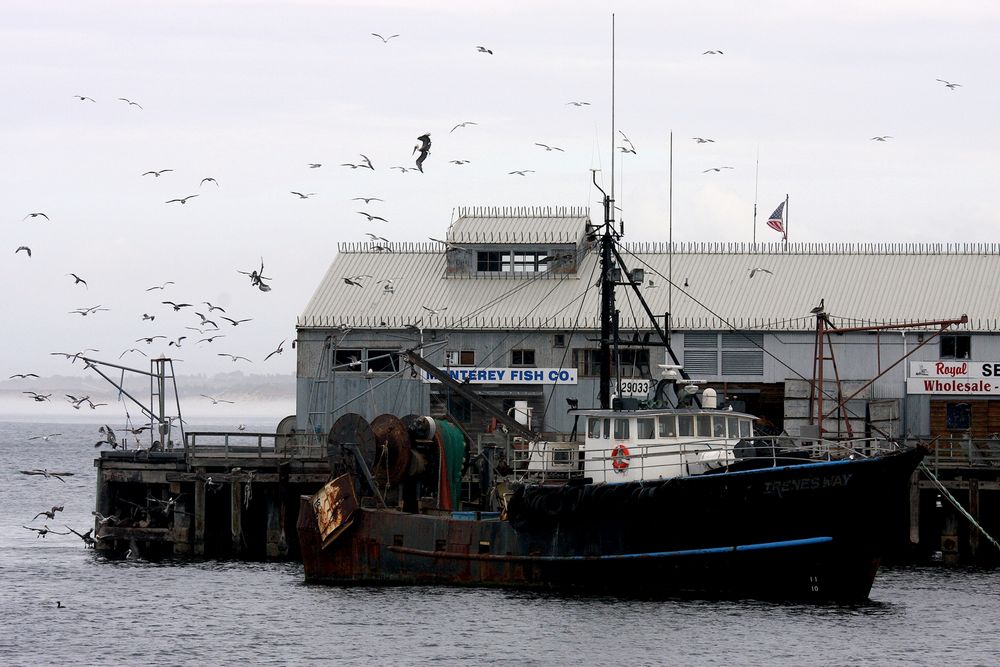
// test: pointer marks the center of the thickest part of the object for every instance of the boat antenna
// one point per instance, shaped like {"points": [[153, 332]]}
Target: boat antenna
{"points": [[610, 219]]}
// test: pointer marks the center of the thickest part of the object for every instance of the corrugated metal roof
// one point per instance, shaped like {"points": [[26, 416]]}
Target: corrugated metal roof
{"points": [[713, 288], [519, 225]]}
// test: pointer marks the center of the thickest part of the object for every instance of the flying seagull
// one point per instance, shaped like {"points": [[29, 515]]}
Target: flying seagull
{"points": [[279, 350], [715, 169], [376, 239], [315, 165], [578, 104], [483, 49], [205, 320], [182, 200], [46, 439], [50, 514], [22, 376], [44, 530], [949, 85], [24, 248], [424, 148], [84, 98], [148, 340], [449, 247], [211, 338], [88, 311], [521, 172], [216, 401], [132, 349], [755, 271], [714, 52], [459, 162], [208, 179], [435, 311], [156, 173], [150, 289], [631, 147], [35, 215], [353, 280], [301, 195], [881, 138], [367, 200], [236, 322], [77, 279], [372, 217], [385, 40], [234, 357], [211, 307], [468, 122], [702, 140], [130, 102], [367, 162], [550, 148], [176, 306]]}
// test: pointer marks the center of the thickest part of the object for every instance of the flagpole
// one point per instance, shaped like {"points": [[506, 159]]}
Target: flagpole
{"points": [[786, 217], [670, 240], [756, 174]]}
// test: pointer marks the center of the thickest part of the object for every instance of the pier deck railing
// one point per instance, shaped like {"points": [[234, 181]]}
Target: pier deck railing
{"points": [[963, 453], [245, 444]]}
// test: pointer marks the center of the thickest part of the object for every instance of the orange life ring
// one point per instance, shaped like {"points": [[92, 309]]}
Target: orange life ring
{"points": [[619, 458]]}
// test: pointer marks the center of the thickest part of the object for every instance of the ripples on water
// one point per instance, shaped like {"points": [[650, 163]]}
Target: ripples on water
{"points": [[261, 613]]}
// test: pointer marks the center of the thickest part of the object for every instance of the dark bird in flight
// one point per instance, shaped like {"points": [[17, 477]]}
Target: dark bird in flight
{"points": [[301, 195], [403, 170], [755, 271], [949, 85], [77, 279], [459, 162], [279, 350], [712, 53], [88, 541], [367, 200], [84, 98], [205, 320], [234, 357], [44, 530], [88, 311], [211, 338], [38, 397], [132, 349], [25, 248], [208, 179], [372, 217], [385, 40], [175, 342], [353, 280], [156, 173], [702, 140], [483, 49], [626, 149], [818, 309], [257, 278], [236, 322], [881, 138], [367, 162], [550, 148], [130, 102], [176, 306], [150, 289], [468, 122], [448, 246], [578, 104], [715, 169], [631, 147], [314, 165], [424, 148], [216, 401], [22, 376], [147, 316], [211, 307], [35, 215], [182, 200], [521, 172], [46, 473], [148, 340]]}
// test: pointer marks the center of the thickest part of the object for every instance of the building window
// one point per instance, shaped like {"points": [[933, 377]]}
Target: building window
{"points": [[735, 354], [522, 357], [459, 408], [530, 262], [460, 358], [347, 360], [956, 346], [559, 340], [382, 361], [631, 362], [488, 261], [958, 416]]}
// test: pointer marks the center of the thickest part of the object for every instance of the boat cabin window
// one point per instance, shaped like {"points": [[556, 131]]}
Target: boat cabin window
{"points": [[719, 427], [734, 427], [685, 425], [607, 429], [745, 428], [668, 426], [645, 429], [621, 429], [594, 428], [704, 423]]}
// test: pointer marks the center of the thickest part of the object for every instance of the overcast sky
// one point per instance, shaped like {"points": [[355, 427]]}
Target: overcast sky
{"points": [[250, 93]]}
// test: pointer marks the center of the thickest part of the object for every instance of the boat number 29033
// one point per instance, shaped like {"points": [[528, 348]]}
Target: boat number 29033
{"points": [[636, 387]]}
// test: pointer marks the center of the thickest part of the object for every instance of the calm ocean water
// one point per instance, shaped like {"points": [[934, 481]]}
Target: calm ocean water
{"points": [[137, 613]]}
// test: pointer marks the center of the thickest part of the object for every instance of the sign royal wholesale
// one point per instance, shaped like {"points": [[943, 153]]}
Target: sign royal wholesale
{"points": [[964, 378], [508, 375]]}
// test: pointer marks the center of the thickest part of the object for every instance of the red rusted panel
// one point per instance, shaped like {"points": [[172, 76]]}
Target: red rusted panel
{"points": [[334, 506]]}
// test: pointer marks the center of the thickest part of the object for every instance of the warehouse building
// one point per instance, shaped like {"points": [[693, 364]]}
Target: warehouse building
{"points": [[509, 304]]}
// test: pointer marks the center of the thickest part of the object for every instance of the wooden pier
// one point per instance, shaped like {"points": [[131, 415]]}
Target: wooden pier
{"points": [[221, 495]]}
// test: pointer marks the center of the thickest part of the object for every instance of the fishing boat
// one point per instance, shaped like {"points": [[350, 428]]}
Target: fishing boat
{"points": [[672, 493]]}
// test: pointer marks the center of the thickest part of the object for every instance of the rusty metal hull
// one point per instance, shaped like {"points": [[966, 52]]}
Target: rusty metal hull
{"points": [[809, 531]]}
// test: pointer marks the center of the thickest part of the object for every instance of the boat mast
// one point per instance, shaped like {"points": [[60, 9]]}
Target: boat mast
{"points": [[607, 284]]}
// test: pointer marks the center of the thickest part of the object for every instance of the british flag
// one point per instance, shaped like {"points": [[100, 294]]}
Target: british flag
{"points": [[775, 221]]}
